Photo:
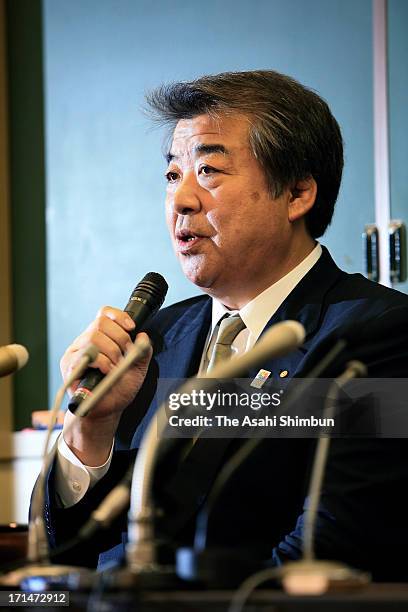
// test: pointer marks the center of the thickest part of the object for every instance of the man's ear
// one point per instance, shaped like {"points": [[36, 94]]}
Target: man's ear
{"points": [[302, 198]]}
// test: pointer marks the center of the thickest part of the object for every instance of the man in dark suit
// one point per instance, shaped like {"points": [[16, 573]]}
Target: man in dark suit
{"points": [[254, 170]]}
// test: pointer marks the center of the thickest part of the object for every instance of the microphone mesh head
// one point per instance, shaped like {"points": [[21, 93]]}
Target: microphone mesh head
{"points": [[298, 330], [154, 285], [21, 354]]}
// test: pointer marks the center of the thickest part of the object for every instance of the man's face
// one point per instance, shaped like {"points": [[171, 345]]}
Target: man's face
{"points": [[229, 235]]}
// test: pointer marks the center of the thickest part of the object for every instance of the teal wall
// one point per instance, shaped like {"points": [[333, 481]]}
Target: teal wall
{"points": [[104, 178]]}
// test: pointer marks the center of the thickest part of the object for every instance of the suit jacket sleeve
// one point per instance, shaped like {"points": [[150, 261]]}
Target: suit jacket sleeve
{"points": [[62, 524]]}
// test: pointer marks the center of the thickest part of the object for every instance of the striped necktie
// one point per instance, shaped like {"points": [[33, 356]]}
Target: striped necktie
{"points": [[228, 330]]}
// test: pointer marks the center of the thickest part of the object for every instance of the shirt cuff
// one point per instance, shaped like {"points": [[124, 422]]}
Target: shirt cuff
{"points": [[72, 477]]}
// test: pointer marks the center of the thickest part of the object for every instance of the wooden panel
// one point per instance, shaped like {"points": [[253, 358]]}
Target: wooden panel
{"points": [[5, 262]]}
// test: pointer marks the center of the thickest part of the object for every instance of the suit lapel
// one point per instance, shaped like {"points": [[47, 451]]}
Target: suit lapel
{"points": [[306, 305], [183, 343], [177, 355]]}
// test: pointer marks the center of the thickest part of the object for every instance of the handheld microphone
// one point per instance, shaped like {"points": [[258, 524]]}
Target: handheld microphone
{"points": [[145, 301], [13, 357]]}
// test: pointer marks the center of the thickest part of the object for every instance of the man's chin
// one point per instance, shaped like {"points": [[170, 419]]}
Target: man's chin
{"points": [[201, 281], [198, 275]]}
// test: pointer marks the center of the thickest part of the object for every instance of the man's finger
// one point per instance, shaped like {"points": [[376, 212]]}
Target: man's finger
{"points": [[119, 316]]}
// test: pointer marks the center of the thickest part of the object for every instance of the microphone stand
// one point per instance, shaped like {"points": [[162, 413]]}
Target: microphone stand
{"points": [[37, 553], [141, 550], [310, 576], [38, 562], [198, 563], [37, 540], [307, 576], [200, 540]]}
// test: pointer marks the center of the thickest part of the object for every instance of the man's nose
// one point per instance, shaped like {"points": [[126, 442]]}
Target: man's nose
{"points": [[186, 198]]}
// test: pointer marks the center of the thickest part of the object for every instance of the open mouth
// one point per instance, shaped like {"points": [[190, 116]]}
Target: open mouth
{"points": [[186, 240]]}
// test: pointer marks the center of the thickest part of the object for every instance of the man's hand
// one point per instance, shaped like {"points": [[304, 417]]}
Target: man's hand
{"points": [[91, 437]]}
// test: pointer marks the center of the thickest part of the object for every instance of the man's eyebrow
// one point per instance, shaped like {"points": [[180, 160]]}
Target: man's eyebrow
{"points": [[207, 149], [202, 149]]}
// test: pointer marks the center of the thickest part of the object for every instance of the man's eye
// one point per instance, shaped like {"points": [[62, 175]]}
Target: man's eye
{"points": [[171, 177], [206, 170]]}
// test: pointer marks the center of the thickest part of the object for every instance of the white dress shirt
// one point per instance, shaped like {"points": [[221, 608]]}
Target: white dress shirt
{"points": [[73, 478]]}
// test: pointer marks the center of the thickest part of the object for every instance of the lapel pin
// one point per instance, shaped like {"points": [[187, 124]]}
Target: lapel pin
{"points": [[260, 379], [283, 374]]}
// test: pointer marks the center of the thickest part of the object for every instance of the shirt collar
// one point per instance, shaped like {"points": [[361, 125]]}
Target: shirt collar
{"points": [[258, 311]]}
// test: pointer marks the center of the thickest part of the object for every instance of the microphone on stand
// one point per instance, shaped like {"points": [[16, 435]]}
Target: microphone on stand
{"points": [[192, 563], [37, 567], [279, 340], [13, 357], [37, 555], [37, 540], [311, 576], [307, 576]]}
